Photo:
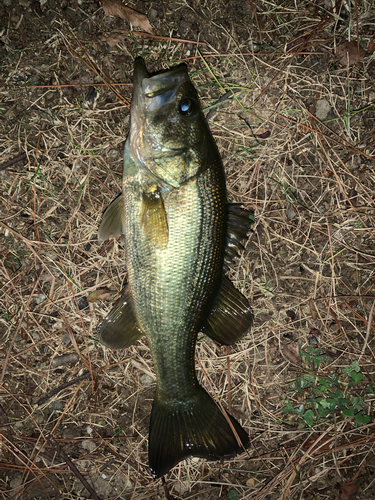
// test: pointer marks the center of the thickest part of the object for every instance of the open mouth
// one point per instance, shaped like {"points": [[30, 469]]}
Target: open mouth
{"points": [[162, 85]]}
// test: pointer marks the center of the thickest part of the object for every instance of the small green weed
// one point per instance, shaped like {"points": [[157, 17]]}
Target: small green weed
{"points": [[329, 395], [16, 256], [264, 289], [5, 317], [41, 181], [291, 198]]}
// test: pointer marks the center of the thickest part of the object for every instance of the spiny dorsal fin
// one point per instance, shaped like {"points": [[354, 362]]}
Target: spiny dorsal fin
{"points": [[238, 225], [112, 224], [120, 328], [231, 316]]}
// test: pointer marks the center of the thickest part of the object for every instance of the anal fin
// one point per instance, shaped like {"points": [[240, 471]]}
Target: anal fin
{"points": [[120, 328], [112, 224], [231, 316]]}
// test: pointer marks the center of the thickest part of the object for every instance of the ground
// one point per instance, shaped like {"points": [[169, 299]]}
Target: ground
{"points": [[296, 133]]}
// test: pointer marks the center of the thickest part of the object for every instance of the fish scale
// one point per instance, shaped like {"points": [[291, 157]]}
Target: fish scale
{"points": [[171, 287], [175, 221]]}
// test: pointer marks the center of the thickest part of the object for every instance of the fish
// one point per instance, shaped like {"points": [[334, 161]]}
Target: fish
{"points": [[180, 234]]}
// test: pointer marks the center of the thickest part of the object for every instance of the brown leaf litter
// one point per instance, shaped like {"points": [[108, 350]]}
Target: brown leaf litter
{"points": [[349, 53], [113, 8]]}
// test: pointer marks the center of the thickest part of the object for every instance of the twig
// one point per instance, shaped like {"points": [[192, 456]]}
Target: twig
{"points": [[340, 141], [322, 24], [41, 454], [166, 491], [72, 467], [85, 361], [223, 98], [49, 395], [6, 361], [159, 37], [368, 329], [38, 243], [9, 430], [90, 64], [256, 20], [8, 163]]}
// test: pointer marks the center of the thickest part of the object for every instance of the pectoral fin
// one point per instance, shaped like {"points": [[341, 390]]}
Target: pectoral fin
{"points": [[112, 224], [231, 316], [120, 328], [154, 218]]}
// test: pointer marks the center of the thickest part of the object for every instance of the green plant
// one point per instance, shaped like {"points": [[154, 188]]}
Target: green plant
{"points": [[5, 317], [16, 255], [41, 181], [264, 289], [329, 395], [291, 198], [313, 355]]}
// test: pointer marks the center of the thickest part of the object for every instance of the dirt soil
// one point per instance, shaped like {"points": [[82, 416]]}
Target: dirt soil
{"points": [[296, 132]]}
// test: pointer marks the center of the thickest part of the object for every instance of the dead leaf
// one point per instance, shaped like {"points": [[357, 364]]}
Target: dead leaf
{"points": [[349, 490], [290, 212], [317, 444], [291, 314], [348, 53], [84, 77], [371, 46], [263, 133], [65, 359], [353, 197], [47, 276], [328, 173], [114, 8], [100, 294], [142, 368], [315, 331], [291, 353], [115, 38], [313, 311]]}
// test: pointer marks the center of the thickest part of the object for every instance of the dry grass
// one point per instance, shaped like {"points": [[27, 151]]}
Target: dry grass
{"points": [[298, 146]]}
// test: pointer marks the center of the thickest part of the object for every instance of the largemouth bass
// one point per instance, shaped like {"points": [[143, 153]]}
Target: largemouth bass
{"points": [[178, 233]]}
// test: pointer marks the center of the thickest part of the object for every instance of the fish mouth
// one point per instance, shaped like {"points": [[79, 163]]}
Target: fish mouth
{"points": [[140, 73], [155, 90], [163, 82]]}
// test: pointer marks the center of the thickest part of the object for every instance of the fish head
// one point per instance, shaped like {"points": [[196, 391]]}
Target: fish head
{"points": [[168, 131]]}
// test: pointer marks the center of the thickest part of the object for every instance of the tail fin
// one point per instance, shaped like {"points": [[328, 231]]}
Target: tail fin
{"points": [[195, 426]]}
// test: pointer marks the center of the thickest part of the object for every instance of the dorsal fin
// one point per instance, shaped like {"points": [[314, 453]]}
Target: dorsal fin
{"points": [[239, 223]]}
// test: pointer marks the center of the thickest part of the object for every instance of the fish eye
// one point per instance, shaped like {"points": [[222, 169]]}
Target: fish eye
{"points": [[186, 107]]}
